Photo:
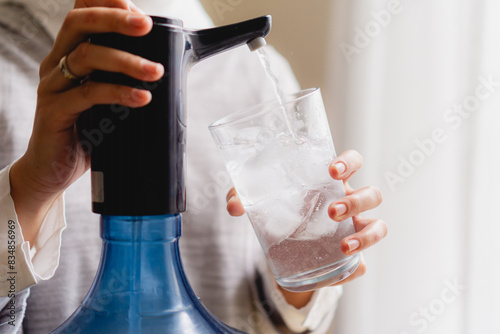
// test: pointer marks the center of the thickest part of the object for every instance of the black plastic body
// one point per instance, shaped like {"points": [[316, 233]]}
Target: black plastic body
{"points": [[137, 154]]}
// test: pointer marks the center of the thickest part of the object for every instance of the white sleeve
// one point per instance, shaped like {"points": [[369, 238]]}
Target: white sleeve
{"points": [[22, 266], [315, 317]]}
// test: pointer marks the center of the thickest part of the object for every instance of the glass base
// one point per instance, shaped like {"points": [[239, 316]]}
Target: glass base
{"points": [[321, 277]]}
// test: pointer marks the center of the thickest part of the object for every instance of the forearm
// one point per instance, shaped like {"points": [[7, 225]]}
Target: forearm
{"points": [[31, 205], [25, 266]]}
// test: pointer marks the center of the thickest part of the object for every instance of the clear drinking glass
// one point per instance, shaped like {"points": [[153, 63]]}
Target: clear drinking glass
{"points": [[277, 155]]}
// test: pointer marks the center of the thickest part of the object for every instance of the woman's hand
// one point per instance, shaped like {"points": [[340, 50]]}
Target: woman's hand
{"points": [[54, 159], [368, 231]]}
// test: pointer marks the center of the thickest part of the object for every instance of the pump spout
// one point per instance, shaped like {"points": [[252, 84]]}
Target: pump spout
{"points": [[209, 42]]}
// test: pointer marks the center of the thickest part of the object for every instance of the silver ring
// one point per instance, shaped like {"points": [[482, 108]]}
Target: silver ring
{"points": [[66, 72]]}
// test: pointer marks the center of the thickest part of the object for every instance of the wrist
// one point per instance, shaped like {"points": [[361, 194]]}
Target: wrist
{"points": [[31, 202], [24, 180], [296, 299]]}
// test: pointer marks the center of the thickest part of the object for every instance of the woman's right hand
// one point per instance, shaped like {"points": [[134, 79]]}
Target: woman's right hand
{"points": [[54, 159]]}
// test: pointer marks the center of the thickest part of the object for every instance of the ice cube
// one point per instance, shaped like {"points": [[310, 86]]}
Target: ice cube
{"points": [[266, 173], [277, 218], [315, 217], [281, 223], [312, 164]]}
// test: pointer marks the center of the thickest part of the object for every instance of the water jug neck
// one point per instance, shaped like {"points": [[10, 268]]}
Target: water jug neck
{"points": [[140, 266]]}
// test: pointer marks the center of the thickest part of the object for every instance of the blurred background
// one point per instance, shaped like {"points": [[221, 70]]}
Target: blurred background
{"points": [[415, 87]]}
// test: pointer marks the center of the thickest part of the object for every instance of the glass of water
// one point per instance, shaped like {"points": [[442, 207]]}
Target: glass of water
{"points": [[277, 155]]}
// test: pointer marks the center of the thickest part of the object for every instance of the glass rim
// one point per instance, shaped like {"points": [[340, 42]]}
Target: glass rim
{"points": [[264, 107]]}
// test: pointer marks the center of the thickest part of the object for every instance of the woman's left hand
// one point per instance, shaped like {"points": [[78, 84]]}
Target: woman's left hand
{"points": [[369, 231]]}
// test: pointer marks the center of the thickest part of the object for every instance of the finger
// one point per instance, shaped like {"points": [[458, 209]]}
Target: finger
{"points": [[234, 206], [89, 57], [360, 271], [80, 23], [345, 165], [81, 98], [133, 8], [373, 231], [360, 200], [123, 4]]}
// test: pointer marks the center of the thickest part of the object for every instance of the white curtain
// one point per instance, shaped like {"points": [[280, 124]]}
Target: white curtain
{"points": [[414, 85]]}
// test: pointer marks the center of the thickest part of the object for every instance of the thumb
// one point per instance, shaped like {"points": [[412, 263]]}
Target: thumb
{"points": [[234, 206]]}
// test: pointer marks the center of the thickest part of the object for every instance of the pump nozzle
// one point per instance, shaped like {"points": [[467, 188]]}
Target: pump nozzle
{"points": [[208, 42], [256, 43]]}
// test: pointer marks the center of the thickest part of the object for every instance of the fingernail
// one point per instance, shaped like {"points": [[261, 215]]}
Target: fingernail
{"points": [[136, 20], [150, 67], [340, 167], [353, 244], [340, 209], [139, 94], [230, 198]]}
